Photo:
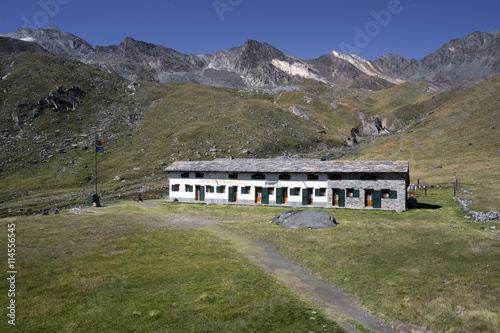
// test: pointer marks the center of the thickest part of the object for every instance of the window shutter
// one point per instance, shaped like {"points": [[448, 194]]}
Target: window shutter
{"points": [[279, 195], [355, 193], [292, 191], [377, 199], [305, 197], [218, 189], [173, 188], [202, 193], [265, 195], [341, 198], [190, 188], [230, 194], [393, 194], [317, 192]]}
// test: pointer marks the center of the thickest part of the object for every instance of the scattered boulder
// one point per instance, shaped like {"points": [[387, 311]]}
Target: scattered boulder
{"points": [[81, 211], [314, 219], [301, 112]]}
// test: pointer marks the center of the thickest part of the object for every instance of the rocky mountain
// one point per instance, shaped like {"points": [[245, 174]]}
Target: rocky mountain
{"points": [[12, 46], [260, 65], [457, 62]]}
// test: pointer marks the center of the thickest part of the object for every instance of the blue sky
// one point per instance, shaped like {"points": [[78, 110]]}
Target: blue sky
{"points": [[305, 29]]}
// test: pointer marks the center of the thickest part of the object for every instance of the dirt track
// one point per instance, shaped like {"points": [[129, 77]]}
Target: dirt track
{"points": [[318, 293]]}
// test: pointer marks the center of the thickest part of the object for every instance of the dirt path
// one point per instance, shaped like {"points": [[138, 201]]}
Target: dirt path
{"points": [[316, 292]]}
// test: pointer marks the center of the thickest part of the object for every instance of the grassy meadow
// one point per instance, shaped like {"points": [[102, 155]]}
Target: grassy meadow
{"points": [[119, 272], [130, 269]]}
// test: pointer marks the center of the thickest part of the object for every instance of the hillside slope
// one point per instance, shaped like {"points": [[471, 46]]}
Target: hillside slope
{"points": [[455, 135], [50, 108]]}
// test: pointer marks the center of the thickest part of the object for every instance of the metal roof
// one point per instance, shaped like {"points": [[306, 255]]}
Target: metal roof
{"points": [[287, 166]]}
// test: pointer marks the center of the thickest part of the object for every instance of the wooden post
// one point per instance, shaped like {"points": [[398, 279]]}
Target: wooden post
{"points": [[425, 187], [454, 189], [95, 151]]}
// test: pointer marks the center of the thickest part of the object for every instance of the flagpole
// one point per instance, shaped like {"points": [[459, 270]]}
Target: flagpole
{"points": [[96, 163]]}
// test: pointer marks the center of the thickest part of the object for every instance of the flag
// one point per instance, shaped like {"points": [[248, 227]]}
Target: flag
{"points": [[98, 135], [99, 149]]}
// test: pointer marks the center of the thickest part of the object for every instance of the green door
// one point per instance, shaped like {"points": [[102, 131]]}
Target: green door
{"points": [[305, 197], [265, 195], [279, 195], [377, 199], [230, 194], [341, 198], [202, 193]]}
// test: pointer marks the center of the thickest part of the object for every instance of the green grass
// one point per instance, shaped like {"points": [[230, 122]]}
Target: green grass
{"points": [[412, 266], [121, 270], [117, 272]]}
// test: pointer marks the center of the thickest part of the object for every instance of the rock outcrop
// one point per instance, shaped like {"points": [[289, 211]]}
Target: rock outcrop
{"points": [[313, 219]]}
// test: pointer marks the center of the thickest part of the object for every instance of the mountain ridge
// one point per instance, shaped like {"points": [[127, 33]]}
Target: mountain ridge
{"points": [[260, 65]]}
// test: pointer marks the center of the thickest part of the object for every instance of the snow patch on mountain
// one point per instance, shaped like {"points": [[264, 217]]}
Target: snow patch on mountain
{"points": [[297, 69], [366, 66]]}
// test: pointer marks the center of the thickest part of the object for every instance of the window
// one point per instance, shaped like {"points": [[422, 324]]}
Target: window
{"points": [[271, 191], [351, 193], [188, 188], [199, 175], [312, 177], [285, 176], [368, 177], [245, 190], [295, 191], [258, 176], [210, 189], [335, 176], [388, 194], [320, 192], [175, 188], [233, 176], [185, 175], [221, 189]]}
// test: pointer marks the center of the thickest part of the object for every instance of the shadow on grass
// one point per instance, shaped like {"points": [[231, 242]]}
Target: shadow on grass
{"points": [[412, 203], [428, 206]]}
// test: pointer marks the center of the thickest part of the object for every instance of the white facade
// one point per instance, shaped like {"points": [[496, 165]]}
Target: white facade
{"points": [[217, 187]]}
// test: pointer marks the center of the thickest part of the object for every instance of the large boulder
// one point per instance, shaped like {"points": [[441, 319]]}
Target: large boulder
{"points": [[314, 219]]}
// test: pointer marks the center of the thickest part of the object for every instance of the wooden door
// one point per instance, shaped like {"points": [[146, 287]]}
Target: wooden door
{"points": [[197, 193], [368, 198], [284, 195], [235, 193], [335, 197], [258, 195]]}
